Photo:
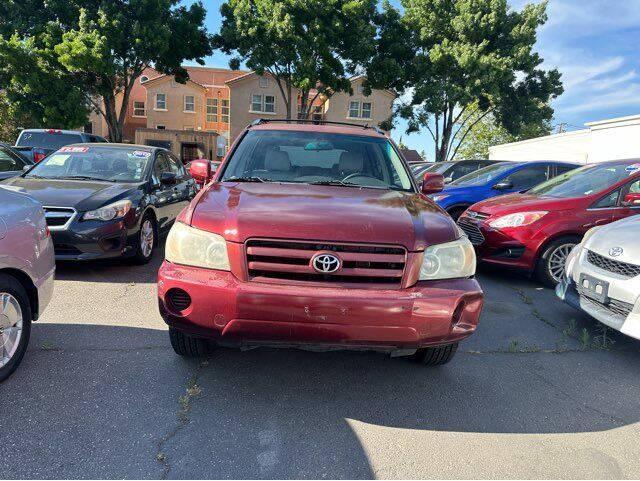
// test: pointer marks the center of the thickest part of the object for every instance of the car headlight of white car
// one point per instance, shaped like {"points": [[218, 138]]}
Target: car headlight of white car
{"points": [[195, 247], [109, 212], [519, 219], [450, 260]]}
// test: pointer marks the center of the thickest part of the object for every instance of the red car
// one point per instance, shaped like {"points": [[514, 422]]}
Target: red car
{"points": [[317, 235], [536, 230]]}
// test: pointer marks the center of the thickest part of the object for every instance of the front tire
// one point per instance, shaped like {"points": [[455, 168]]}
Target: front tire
{"points": [[186, 345], [551, 264], [146, 240], [435, 356], [15, 324]]}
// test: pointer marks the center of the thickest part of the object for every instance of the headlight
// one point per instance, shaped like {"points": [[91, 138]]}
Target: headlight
{"points": [[518, 219], [194, 247], [452, 260], [109, 212], [439, 197]]}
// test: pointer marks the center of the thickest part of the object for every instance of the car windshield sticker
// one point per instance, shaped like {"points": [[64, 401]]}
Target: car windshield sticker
{"points": [[57, 159], [142, 154], [76, 150], [633, 168]]}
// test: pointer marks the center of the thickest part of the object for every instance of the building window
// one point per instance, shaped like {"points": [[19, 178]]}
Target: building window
{"points": [[160, 127], [315, 113], [189, 103], [144, 78], [360, 110], [366, 110], [212, 110], [161, 101], [221, 146], [189, 128], [361, 89], [263, 82], [139, 109], [263, 104], [224, 111], [354, 109]]}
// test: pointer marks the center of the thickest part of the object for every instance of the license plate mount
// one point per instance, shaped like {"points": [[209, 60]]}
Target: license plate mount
{"points": [[594, 288]]}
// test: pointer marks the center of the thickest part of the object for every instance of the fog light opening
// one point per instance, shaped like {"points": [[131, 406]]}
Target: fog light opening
{"points": [[177, 300], [457, 313]]}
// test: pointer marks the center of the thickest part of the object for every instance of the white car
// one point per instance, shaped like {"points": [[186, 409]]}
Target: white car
{"points": [[27, 268], [602, 276]]}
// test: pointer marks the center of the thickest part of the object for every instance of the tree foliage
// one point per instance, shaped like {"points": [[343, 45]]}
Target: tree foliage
{"points": [[101, 47], [456, 61], [309, 45]]}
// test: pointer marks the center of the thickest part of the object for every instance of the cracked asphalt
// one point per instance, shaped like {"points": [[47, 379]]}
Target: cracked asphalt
{"points": [[540, 391]]}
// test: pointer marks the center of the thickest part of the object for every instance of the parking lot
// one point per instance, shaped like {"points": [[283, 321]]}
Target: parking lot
{"points": [[539, 391]]}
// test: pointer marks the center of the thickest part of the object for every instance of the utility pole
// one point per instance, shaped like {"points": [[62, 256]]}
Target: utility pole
{"points": [[562, 127]]}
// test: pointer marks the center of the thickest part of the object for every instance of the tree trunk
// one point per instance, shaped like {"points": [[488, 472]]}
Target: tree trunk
{"points": [[111, 117]]}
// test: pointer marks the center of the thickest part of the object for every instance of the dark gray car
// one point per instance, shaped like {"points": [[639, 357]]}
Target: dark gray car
{"points": [[11, 162]]}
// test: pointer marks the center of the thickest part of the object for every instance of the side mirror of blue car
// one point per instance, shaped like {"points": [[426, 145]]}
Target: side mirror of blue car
{"points": [[503, 185]]}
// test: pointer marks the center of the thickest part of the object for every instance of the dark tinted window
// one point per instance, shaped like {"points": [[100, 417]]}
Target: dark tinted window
{"points": [[8, 162], [609, 200], [527, 177], [47, 140], [562, 169], [460, 169]]}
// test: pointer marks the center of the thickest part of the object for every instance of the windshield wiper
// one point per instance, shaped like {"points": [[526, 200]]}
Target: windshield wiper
{"points": [[246, 179], [84, 177], [35, 176], [336, 182]]}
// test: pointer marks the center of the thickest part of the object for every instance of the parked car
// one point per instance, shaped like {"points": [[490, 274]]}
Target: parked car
{"points": [[37, 144], [108, 200], [496, 179], [452, 170], [11, 162], [26, 274], [602, 274], [536, 231], [317, 235]]}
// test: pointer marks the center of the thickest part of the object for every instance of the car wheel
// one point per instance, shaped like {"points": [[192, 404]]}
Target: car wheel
{"points": [[435, 356], [15, 324], [147, 240], [551, 264], [456, 212], [186, 345]]}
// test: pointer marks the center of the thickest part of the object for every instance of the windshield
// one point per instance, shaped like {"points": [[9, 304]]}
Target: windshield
{"points": [[440, 167], [94, 163], [317, 158], [485, 175], [49, 140], [586, 180]]}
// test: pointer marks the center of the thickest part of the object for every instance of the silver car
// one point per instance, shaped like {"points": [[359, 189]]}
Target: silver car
{"points": [[26, 273], [602, 276]]}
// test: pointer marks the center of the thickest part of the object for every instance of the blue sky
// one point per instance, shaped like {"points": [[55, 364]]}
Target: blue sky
{"points": [[594, 43]]}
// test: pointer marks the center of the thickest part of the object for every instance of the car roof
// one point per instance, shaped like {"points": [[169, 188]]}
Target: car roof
{"points": [[108, 145], [58, 131], [325, 128]]}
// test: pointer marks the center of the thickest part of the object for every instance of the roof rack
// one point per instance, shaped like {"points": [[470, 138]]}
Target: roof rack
{"points": [[316, 122]]}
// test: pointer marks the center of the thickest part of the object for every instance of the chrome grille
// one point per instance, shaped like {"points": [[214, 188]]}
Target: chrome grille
{"points": [[617, 267], [291, 260], [470, 228], [615, 308], [58, 217]]}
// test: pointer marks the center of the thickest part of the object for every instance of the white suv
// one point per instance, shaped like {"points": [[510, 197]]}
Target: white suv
{"points": [[603, 276]]}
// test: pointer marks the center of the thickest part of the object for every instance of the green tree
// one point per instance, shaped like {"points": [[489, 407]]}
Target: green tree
{"points": [[309, 45], [475, 143], [456, 62], [101, 47]]}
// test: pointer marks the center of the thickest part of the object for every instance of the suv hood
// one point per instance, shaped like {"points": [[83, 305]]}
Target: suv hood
{"points": [[239, 211], [511, 203], [82, 195]]}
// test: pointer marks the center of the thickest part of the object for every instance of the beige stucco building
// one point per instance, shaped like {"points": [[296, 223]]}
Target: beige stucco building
{"points": [[224, 102]]}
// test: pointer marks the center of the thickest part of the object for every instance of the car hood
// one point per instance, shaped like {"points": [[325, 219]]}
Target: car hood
{"points": [[325, 213], [621, 234], [510, 203], [80, 194]]}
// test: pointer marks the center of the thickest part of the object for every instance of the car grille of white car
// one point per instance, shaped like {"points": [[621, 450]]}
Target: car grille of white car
{"points": [[610, 265], [615, 308]]}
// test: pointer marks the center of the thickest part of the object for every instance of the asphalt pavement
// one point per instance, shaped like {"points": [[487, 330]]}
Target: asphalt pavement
{"points": [[539, 391]]}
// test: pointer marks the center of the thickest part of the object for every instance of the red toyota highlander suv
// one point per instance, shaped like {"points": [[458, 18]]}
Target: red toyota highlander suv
{"points": [[317, 236]]}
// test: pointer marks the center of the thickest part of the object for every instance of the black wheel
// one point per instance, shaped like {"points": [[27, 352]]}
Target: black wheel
{"points": [[15, 324], [187, 346], [550, 265], [456, 212], [146, 240], [435, 356]]}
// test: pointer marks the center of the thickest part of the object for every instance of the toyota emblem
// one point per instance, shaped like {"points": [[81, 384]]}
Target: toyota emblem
{"points": [[325, 263], [616, 251]]}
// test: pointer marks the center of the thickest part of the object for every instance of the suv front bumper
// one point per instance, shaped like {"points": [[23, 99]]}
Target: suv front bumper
{"points": [[229, 310]]}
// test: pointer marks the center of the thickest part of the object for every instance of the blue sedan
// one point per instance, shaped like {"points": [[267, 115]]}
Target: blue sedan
{"points": [[497, 179]]}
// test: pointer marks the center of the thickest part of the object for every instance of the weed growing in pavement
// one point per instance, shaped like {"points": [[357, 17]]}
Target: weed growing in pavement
{"points": [[585, 339], [570, 330], [513, 346], [602, 340]]}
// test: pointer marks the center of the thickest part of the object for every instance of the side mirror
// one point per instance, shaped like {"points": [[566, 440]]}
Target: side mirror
{"points": [[432, 183], [632, 199], [448, 180], [503, 185], [167, 178], [26, 167], [200, 170]]}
